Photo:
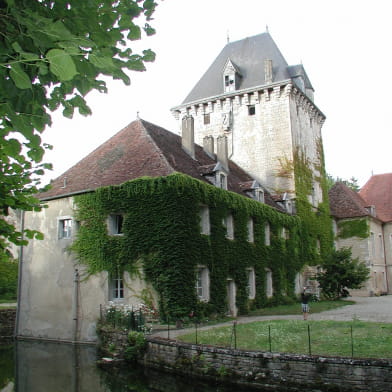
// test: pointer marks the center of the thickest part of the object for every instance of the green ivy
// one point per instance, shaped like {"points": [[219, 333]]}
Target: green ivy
{"points": [[353, 228], [161, 232]]}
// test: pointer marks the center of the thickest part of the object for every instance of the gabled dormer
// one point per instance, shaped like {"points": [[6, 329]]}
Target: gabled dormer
{"points": [[231, 77]]}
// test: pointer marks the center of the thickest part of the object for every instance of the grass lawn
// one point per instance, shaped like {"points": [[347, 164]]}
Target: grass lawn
{"points": [[315, 307], [291, 336]]}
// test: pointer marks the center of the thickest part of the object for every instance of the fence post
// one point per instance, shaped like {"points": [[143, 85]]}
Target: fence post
{"points": [[235, 334], [310, 347], [196, 331], [269, 338], [168, 328], [352, 341]]}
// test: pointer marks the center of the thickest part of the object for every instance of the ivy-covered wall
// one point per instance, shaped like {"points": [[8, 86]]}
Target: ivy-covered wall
{"points": [[353, 228], [161, 231]]}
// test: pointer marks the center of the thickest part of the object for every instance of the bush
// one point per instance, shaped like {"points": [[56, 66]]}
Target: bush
{"points": [[8, 280], [137, 345], [340, 273]]}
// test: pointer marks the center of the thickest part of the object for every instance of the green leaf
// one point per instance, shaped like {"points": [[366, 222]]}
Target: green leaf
{"points": [[20, 77], [102, 62], [148, 55], [134, 33], [61, 64]]}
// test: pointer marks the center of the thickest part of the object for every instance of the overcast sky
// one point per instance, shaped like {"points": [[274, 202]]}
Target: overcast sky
{"points": [[344, 46]]}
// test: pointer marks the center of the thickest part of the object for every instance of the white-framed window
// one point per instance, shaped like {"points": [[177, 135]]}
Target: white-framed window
{"points": [[318, 245], [251, 283], [259, 195], [203, 283], [229, 225], [285, 233], [115, 224], [267, 234], [221, 180], [269, 291], [251, 236], [204, 213], [116, 287], [229, 82], [64, 227]]}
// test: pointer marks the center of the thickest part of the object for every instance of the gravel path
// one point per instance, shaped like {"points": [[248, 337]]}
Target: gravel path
{"points": [[377, 309]]}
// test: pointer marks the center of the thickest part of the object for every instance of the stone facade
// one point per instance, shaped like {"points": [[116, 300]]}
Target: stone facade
{"points": [[271, 371], [284, 119], [56, 301]]}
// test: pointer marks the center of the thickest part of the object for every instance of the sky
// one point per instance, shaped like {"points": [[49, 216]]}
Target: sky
{"points": [[344, 46]]}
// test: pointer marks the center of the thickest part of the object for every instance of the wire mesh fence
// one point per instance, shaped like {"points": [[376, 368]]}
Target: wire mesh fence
{"points": [[356, 339]]}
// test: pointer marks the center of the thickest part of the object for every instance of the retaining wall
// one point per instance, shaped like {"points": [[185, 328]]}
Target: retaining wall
{"points": [[7, 323], [271, 371]]}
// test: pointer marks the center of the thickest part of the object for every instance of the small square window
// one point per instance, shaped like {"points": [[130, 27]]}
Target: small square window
{"points": [[65, 228], [206, 118], [251, 110]]}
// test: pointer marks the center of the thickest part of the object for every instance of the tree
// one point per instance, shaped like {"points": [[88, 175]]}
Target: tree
{"points": [[341, 272], [52, 53], [351, 183]]}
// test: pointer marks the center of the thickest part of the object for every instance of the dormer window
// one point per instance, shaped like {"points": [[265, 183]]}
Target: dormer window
{"points": [[259, 195], [230, 77]]}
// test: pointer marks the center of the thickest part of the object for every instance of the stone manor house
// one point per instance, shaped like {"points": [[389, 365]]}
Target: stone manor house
{"points": [[232, 214]]}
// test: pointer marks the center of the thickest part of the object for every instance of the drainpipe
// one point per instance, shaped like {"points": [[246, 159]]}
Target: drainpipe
{"points": [[75, 306], [20, 272], [385, 260]]}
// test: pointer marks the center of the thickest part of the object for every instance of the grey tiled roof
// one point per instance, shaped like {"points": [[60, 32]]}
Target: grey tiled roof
{"points": [[248, 55]]}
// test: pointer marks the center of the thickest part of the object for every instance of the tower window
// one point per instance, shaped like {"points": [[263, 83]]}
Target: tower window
{"points": [[251, 110], [206, 118]]}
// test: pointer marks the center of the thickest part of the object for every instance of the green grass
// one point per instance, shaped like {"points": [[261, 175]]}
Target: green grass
{"points": [[315, 307], [372, 340]]}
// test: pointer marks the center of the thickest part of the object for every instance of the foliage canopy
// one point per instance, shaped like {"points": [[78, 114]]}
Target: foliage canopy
{"points": [[52, 53]]}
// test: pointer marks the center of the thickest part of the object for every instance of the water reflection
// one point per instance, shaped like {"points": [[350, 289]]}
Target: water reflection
{"points": [[49, 367]]}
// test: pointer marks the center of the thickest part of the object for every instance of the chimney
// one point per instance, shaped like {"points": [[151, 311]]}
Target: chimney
{"points": [[268, 71], [222, 151], [188, 135], [208, 146]]}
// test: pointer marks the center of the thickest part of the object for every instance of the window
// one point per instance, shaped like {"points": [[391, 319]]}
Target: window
{"points": [[267, 234], [250, 230], [65, 228], [372, 246], [285, 233], [251, 283], [202, 284], [228, 224], [115, 224], [381, 242], [117, 287], [251, 110], [204, 220], [221, 180], [230, 82], [259, 195], [269, 291], [206, 118]]}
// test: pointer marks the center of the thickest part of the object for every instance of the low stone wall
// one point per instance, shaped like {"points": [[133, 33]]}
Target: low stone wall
{"points": [[271, 371], [7, 324]]}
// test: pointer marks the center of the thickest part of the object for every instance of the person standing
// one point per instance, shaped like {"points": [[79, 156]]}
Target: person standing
{"points": [[305, 298]]}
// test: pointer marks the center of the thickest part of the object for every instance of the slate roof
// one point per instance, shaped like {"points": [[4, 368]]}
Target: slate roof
{"points": [[141, 149], [248, 55], [346, 203], [378, 192]]}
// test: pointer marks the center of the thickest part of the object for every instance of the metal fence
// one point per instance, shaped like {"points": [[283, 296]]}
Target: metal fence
{"points": [[129, 320]]}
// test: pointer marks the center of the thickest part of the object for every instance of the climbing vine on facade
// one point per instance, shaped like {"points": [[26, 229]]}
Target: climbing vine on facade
{"points": [[161, 233]]}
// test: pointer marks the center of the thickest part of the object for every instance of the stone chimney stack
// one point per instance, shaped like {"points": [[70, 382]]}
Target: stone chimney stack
{"points": [[188, 135], [222, 151], [208, 146], [268, 71]]}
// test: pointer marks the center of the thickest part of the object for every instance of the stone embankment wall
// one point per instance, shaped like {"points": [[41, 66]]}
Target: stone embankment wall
{"points": [[271, 371], [7, 323]]}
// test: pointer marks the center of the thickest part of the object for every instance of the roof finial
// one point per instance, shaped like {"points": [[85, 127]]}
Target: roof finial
{"points": [[266, 29], [137, 115], [228, 36]]}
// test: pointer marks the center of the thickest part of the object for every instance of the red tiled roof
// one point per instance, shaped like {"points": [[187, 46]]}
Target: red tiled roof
{"points": [[140, 149], [345, 203], [378, 192]]}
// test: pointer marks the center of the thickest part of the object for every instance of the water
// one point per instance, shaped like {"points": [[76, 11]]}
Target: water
{"points": [[31, 366]]}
